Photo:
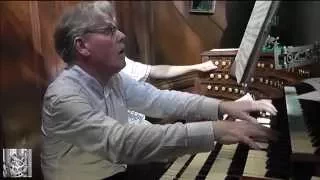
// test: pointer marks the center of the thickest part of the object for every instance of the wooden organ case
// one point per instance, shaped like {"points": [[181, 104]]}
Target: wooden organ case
{"points": [[277, 160]]}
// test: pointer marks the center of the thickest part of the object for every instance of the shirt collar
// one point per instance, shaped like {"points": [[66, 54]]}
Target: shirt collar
{"points": [[87, 80], [93, 84]]}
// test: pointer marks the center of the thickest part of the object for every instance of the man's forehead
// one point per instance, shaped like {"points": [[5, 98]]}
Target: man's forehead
{"points": [[111, 20]]}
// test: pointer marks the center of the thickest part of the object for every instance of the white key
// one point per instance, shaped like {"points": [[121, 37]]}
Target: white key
{"points": [[220, 167], [262, 145], [195, 166], [255, 164], [175, 167], [263, 120], [266, 125]]}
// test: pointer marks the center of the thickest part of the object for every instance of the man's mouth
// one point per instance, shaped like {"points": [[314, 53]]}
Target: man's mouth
{"points": [[121, 51]]}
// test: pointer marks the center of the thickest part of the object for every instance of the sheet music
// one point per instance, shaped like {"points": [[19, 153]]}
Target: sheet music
{"points": [[253, 39]]}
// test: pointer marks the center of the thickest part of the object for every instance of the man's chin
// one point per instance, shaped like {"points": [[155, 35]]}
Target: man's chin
{"points": [[123, 63], [120, 67], [122, 56]]}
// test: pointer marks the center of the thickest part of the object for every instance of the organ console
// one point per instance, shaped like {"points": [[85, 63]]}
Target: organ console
{"points": [[293, 156]]}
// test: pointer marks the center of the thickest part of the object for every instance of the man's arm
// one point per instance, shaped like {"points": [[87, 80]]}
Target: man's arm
{"points": [[145, 98], [136, 70], [71, 118], [141, 72], [167, 71]]}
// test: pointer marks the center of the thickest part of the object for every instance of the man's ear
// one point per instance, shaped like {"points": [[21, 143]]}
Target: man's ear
{"points": [[81, 47]]}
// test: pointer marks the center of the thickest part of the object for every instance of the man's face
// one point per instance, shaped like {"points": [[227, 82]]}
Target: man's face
{"points": [[106, 49]]}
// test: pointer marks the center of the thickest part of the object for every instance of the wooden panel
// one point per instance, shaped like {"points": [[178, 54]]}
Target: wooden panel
{"points": [[28, 63], [168, 32], [135, 20], [49, 12]]}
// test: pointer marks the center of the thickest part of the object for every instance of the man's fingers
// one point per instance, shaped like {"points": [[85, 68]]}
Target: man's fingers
{"points": [[261, 140], [211, 65], [247, 117], [266, 100], [263, 134], [260, 106], [271, 134], [206, 66], [250, 142], [265, 105]]}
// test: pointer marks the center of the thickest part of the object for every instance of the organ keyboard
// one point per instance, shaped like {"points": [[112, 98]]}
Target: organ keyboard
{"points": [[304, 132], [238, 161], [294, 156]]}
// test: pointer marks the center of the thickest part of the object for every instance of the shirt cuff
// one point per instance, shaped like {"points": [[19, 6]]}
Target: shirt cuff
{"points": [[210, 108], [148, 70], [200, 136]]}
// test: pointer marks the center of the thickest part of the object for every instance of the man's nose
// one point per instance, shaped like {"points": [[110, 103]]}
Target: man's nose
{"points": [[121, 36]]}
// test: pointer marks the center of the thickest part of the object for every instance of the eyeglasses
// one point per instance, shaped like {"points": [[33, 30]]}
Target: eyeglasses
{"points": [[107, 30]]}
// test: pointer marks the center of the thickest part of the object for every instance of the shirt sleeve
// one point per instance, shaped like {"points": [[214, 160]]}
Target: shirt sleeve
{"points": [[71, 118], [136, 70], [147, 99]]}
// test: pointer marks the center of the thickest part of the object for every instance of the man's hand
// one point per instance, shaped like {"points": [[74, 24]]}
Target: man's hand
{"points": [[205, 66], [241, 109], [232, 132]]}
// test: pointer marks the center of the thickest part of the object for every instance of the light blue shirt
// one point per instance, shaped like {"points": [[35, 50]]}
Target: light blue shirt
{"points": [[139, 72], [86, 134]]}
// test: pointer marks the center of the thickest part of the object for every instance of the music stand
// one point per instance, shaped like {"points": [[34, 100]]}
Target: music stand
{"points": [[254, 37]]}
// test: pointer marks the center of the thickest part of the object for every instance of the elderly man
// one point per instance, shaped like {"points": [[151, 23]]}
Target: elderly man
{"points": [[86, 134]]}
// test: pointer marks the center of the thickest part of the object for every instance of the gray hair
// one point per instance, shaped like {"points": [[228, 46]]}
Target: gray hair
{"points": [[83, 18]]}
